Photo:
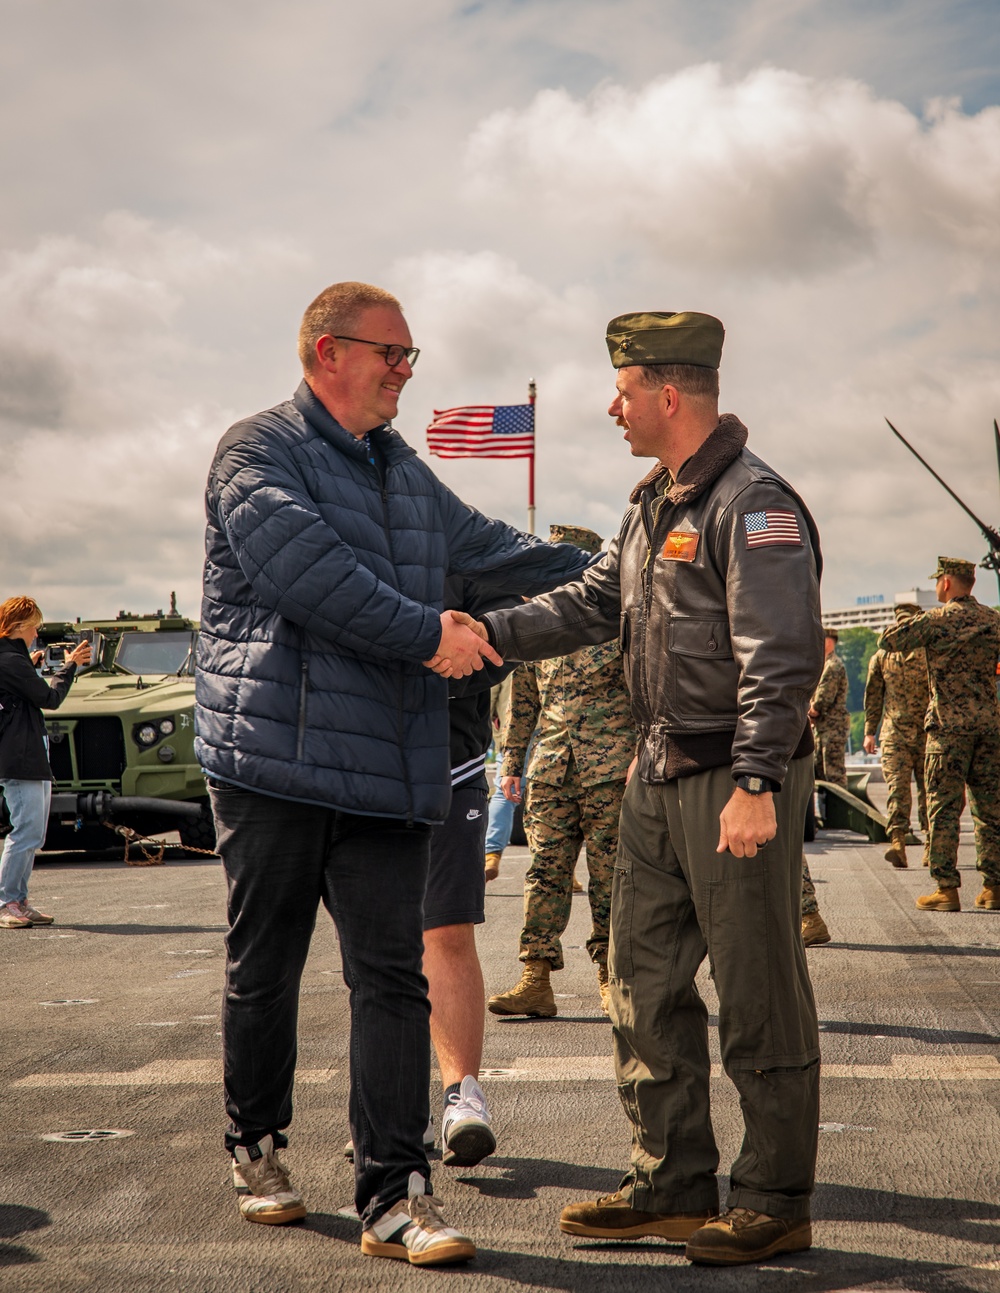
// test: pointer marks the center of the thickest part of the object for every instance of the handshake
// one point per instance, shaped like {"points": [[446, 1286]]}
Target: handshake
{"points": [[463, 647]]}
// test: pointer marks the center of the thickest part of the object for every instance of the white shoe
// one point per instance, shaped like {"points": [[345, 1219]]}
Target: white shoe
{"points": [[414, 1231], [466, 1133], [261, 1181]]}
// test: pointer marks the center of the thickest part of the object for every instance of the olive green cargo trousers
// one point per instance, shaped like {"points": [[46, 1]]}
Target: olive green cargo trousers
{"points": [[675, 899]]}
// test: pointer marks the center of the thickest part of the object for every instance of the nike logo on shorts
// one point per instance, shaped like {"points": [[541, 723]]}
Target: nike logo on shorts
{"points": [[472, 814]]}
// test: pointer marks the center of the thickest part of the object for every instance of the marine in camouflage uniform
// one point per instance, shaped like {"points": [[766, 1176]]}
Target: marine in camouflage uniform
{"points": [[830, 719], [896, 696], [962, 643], [575, 780]]}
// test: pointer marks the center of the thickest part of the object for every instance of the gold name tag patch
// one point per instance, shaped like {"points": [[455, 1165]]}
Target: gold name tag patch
{"points": [[680, 546]]}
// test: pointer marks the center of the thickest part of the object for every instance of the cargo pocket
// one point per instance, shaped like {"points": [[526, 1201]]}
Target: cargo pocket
{"points": [[622, 905], [740, 953]]}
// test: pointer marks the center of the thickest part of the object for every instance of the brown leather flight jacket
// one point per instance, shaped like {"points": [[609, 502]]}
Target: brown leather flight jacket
{"points": [[713, 585]]}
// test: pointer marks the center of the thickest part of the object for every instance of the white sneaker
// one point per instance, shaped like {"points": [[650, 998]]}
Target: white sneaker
{"points": [[414, 1231], [466, 1133], [261, 1181]]}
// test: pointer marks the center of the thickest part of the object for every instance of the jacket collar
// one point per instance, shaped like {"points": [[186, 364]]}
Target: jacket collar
{"points": [[15, 645], [394, 448], [705, 465]]}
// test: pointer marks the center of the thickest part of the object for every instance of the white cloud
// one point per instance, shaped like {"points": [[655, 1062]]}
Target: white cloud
{"points": [[110, 409], [254, 154], [776, 172]]}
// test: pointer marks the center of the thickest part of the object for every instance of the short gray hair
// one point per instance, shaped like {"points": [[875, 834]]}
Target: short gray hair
{"points": [[336, 311]]}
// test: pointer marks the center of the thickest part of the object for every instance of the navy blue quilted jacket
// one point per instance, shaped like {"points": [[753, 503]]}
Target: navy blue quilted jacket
{"points": [[322, 595]]}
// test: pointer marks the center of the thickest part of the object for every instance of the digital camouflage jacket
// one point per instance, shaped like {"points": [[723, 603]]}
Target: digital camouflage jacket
{"points": [[962, 641], [896, 696], [580, 705], [830, 696]]}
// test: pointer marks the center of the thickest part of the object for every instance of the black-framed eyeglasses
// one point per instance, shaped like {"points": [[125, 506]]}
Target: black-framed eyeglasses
{"points": [[394, 355]]}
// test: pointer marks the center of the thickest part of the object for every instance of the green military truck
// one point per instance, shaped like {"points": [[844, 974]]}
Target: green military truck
{"points": [[121, 745]]}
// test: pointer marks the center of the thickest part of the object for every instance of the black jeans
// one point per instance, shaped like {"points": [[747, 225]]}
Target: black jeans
{"points": [[280, 860]]}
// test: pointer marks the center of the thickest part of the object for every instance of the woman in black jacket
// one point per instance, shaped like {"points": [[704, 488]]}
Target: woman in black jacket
{"points": [[25, 775]]}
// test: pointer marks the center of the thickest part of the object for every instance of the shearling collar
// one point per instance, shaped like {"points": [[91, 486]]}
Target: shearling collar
{"points": [[705, 465]]}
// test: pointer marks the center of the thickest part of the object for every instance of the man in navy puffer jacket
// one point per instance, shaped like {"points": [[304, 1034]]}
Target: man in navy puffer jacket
{"points": [[322, 724]]}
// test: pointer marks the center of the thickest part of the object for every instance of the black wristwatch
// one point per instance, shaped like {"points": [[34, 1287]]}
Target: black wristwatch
{"points": [[756, 785]]}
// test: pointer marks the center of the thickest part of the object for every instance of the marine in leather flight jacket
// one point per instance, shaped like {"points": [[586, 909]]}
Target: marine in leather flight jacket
{"points": [[712, 584]]}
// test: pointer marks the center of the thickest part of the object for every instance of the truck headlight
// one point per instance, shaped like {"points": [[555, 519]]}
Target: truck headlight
{"points": [[146, 734]]}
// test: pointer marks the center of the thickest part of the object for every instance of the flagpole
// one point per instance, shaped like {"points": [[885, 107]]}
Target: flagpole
{"points": [[532, 391]]}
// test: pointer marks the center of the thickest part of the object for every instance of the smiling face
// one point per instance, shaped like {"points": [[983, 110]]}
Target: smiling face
{"points": [[640, 410], [353, 380]]}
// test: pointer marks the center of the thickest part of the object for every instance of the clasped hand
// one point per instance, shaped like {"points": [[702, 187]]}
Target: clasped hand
{"points": [[463, 648]]}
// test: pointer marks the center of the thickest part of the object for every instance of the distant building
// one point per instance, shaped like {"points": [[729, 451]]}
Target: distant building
{"points": [[876, 611]]}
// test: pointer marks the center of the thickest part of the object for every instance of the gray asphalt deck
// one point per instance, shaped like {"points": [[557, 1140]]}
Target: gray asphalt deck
{"points": [[907, 1195]]}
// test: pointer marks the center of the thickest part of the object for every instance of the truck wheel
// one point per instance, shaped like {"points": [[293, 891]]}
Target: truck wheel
{"points": [[199, 832]]}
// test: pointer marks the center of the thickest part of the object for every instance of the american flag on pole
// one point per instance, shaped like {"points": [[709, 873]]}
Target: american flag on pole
{"points": [[483, 431], [772, 528]]}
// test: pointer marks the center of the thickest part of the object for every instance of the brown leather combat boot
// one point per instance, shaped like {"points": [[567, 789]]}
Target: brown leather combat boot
{"points": [[814, 929], [532, 996], [895, 854], [989, 897], [742, 1235], [940, 900], [613, 1217]]}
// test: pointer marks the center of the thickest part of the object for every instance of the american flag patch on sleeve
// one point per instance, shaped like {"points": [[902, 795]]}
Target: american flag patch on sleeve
{"points": [[772, 529]]}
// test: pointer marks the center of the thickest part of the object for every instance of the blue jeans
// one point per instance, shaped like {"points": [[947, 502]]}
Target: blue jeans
{"points": [[501, 810], [28, 805], [281, 860], [501, 820]]}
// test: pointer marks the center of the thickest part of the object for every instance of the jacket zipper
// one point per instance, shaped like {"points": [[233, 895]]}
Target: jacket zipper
{"points": [[400, 712], [651, 533], [300, 744]]}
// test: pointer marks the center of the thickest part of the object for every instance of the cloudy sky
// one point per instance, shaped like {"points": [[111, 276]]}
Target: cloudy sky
{"points": [[179, 180]]}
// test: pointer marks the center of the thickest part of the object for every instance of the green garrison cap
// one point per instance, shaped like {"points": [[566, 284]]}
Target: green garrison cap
{"points": [[578, 534], [955, 566], [665, 338]]}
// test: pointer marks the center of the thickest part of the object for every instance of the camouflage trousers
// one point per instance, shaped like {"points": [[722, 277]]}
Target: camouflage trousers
{"points": [[901, 763], [831, 755], [953, 762], [809, 904], [557, 820]]}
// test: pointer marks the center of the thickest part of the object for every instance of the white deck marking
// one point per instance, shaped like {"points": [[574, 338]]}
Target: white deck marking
{"points": [[555, 1068], [597, 1068], [158, 1073]]}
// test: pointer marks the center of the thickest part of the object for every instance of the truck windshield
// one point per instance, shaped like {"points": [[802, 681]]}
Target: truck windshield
{"points": [[149, 653]]}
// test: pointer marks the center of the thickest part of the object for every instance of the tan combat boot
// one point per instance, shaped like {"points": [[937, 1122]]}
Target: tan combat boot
{"points": [[896, 852], [940, 900], [603, 986], [492, 866], [532, 996], [814, 929], [989, 897]]}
